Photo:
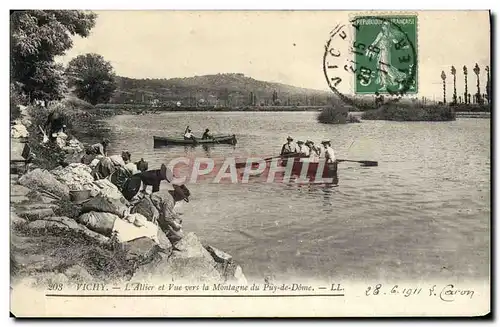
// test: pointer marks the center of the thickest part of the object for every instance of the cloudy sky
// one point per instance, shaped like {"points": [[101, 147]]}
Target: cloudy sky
{"points": [[279, 46]]}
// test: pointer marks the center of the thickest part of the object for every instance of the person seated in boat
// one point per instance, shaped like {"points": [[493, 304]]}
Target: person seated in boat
{"points": [[329, 154], [313, 151], [207, 135], [188, 135], [288, 147], [302, 149]]}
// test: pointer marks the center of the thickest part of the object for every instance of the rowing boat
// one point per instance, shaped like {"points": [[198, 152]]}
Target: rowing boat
{"points": [[329, 169], [165, 141]]}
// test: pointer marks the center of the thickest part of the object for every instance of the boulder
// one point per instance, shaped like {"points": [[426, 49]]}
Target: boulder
{"points": [[18, 131], [99, 222], [67, 223], [44, 181], [108, 189], [103, 203], [164, 242], [177, 269], [141, 250], [146, 208], [60, 222], [36, 214], [191, 247], [18, 193], [239, 277], [17, 189], [219, 255], [15, 219]]}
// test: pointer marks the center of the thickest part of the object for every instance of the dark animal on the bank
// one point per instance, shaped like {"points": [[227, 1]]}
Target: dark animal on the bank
{"points": [[142, 165]]}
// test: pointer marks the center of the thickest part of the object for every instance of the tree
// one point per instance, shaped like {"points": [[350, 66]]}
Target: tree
{"points": [[454, 72], [478, 93], [275, 97], [443, 77], [467, 99], [37, 36], [92, 78]]}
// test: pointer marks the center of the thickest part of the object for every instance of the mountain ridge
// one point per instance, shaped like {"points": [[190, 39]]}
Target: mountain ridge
{"points": [[230, 88]]}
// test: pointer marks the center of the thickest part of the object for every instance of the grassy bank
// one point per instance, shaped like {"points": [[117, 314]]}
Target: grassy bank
{"points": [[336, 115], [83, 122], [399, 112]]}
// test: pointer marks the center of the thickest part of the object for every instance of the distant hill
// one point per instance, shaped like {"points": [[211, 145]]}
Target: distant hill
{"points": [[220, 89]]}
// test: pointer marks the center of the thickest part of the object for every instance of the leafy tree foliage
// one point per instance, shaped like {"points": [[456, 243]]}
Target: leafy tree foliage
{"points": [[92, 77], [37, 36]]}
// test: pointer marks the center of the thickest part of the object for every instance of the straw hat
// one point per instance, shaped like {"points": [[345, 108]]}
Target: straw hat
{"points": [[325, 142], [300, 142], [289, 138]]}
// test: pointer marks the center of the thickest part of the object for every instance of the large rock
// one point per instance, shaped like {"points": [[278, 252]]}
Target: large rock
{"points": [[164, 242], [67, 223], [44, 181], [15, 219], [102, 203], [219, 255], [228, 269], [108, 189], [191, 247], [99, 222], [177, 269], [18, 193], [36, 214], [189, 262], [18, 131], [60, 222], [141, 250]]}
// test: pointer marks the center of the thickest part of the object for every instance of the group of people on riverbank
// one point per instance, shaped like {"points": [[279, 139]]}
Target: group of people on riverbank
{"points": [[309, 150], [127, 175]]}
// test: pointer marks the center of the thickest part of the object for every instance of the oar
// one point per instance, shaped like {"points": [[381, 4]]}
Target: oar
{"points": [[364, 162]]}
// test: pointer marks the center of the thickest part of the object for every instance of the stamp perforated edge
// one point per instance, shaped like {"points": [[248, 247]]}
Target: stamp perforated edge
{"points": [[353, 15]]}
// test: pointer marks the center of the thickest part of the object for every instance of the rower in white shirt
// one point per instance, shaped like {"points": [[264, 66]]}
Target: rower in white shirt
{"points": [[329, 154], [313, 151], [288, 147], [188, 135], [302, 149]]}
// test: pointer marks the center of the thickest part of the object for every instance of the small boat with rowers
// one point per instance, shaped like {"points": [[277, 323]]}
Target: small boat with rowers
{"points": [[190, 139]]}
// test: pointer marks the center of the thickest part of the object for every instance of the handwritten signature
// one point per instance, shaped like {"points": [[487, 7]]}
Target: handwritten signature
{"points": [[448, 293]]}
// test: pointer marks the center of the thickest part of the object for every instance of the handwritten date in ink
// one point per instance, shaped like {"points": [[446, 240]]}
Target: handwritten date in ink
{"points": [[447, 293], [395, 289]]}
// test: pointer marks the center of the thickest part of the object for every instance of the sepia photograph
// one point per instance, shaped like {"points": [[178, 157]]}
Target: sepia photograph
{"points": [[246, 163]]}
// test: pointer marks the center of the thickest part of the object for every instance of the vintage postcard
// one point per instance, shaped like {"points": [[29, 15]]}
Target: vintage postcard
{"points": [[250, 163]]}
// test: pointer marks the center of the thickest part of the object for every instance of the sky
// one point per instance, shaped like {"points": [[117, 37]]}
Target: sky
{"points": [[277, 46]]}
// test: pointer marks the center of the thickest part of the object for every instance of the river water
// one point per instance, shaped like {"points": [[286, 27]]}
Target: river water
{"points": [[424, 212]]}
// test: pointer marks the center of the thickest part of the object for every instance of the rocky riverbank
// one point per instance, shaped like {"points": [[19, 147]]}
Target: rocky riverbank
{"points": [[105, 238]]}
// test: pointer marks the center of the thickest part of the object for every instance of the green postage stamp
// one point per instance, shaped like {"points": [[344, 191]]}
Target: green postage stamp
{"points": [[385, 53]]}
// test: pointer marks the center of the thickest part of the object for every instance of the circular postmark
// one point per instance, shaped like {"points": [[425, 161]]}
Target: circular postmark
{"points": [[372, 55]]}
